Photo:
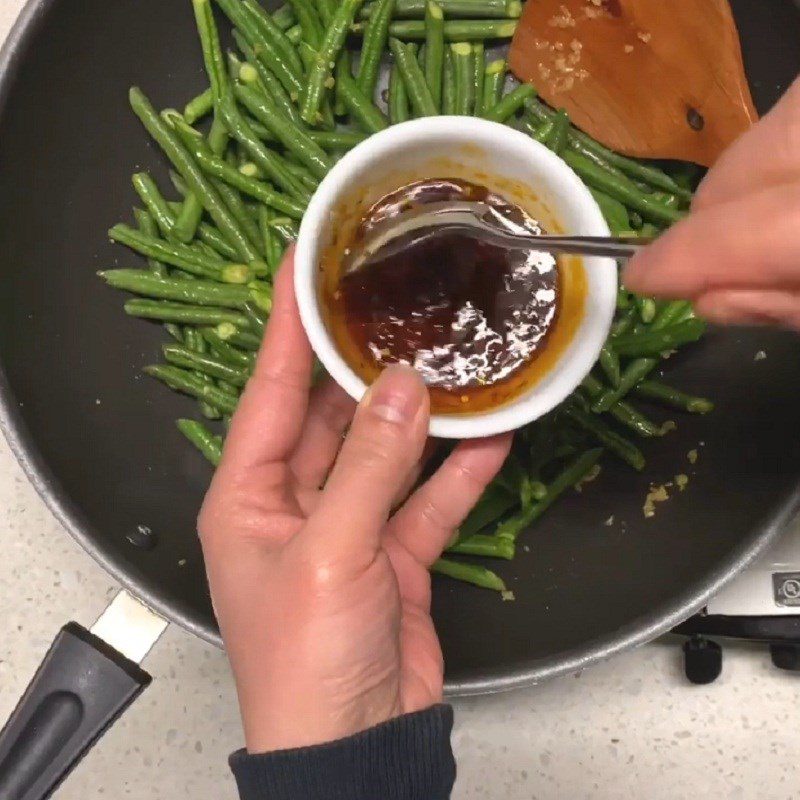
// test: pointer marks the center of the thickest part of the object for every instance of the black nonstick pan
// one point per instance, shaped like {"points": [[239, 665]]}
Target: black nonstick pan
{"points": [[99, 441]]}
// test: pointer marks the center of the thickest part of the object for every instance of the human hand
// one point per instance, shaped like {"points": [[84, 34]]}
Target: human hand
{"points": [[323, 595], [737, 255]]}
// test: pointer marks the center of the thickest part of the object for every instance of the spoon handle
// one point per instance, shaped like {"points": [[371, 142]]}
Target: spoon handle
{"points": [[605, 246]]}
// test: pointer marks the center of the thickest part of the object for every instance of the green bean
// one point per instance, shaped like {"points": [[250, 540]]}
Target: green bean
{"points": [[182, 380], [373, 47], [544, 131], [284, 17], [652, 343], [309, 20], [272, 245], [672, 313], [187, 220], [329, 50], [209, 365], [195, 342], [623, 412], [210, 236], [457, 30], [622, 189], [572, 474], [419, 94], [292, 137], [337, 140], [615, 213], [469, 573], [147, 226], [617, 444], [619, 164], [154, 202], [192, 174], [265, 51], [225, 104], [486, 546], [494, 81], [434, 51], [449, 84], [285, 228], [199, 292], [226, 351], [202, 439], [344, 66], [633, 169], [398, 99], [609, 362], [452, 9], [478, 74], [299, 171], [241, 338], [272, 33], [183, 314], [199, 107], [557, 139], [238, 208], [274, 88], [326, 9], [326, 117], [258, 319], [654, 390], [175, 331], [495, 501], [363, 110], [295, 35], [634, 373], [261, 295], [177, 255], [646, 306], [510, 104], [462, 66]]}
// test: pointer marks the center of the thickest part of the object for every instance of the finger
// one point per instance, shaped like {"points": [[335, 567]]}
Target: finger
{"points": [[427, 453], [425, 524], [329, 415], [739, 307], [385, 441], [764, 156], [748, 243], [268, 421]]}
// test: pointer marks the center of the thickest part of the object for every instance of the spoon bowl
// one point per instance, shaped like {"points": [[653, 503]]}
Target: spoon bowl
{"points": [[484, 222]]}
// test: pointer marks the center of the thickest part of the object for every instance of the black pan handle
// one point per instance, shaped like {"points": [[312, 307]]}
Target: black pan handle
{"points": [[81, 688]]}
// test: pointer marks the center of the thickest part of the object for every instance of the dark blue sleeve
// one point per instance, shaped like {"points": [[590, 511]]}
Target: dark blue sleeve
{"points": [[408, 758]]}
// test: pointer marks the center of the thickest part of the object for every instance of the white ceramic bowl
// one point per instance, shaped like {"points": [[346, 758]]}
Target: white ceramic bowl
{"points": [[504, 160]]}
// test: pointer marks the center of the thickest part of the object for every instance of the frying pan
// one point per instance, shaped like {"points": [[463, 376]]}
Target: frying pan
{"points": [[98, 439]]}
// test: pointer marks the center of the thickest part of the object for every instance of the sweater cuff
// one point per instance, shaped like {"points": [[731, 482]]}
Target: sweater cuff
{"points": [[407, 758]]}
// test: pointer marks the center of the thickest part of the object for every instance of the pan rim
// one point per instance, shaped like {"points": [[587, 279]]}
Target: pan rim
{"points": [[655, 623]]}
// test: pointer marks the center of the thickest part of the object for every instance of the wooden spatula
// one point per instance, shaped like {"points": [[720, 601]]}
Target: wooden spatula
{"points": [[649, 78]]}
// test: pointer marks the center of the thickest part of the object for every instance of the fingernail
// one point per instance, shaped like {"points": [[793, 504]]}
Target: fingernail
{"points": [[396, 396]]}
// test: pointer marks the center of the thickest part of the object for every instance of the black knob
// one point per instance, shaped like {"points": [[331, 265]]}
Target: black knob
{"points": [[702, 660], [786, 656]]}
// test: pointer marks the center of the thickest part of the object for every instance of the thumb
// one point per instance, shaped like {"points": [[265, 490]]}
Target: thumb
{"points": [[383, 446]]}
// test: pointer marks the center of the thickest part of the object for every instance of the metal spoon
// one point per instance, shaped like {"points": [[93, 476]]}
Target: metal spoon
{"points": [[433, 219]]}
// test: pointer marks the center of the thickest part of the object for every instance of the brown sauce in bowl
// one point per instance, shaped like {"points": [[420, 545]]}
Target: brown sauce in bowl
{"points": [[472, 317]]}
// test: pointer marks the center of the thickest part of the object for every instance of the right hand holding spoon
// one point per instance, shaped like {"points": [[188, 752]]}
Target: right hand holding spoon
{"points": [[737, 255]]}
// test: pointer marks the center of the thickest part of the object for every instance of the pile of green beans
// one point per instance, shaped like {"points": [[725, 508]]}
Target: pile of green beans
{"points": [[246, 155]]}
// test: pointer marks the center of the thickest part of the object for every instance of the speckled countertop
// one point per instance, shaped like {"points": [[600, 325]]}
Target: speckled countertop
{"points": [[628, 728]]}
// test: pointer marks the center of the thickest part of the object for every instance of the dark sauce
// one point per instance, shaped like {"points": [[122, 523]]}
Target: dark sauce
{"points": [[470, 316]]}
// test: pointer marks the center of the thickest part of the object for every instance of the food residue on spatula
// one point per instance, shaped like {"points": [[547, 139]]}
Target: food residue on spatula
{"points": [[648, 78]]}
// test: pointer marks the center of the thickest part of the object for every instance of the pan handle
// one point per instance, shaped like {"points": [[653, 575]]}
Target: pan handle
{"points": [[82, 686]]}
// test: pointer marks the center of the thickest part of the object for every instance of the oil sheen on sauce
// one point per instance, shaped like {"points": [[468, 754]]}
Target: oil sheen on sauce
{"points": [[472, 317]]}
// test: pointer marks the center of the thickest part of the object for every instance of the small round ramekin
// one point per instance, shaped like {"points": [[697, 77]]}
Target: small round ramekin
{"points": [[498, 157]]}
